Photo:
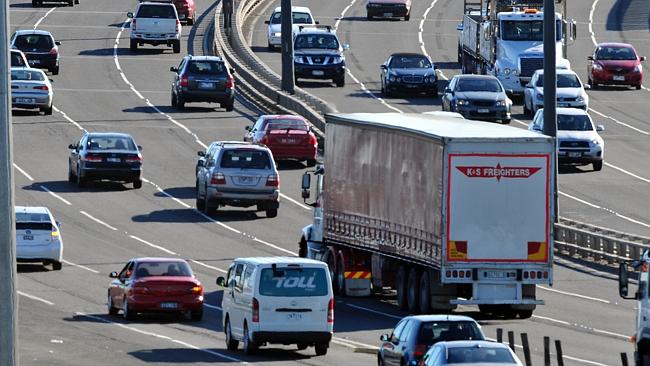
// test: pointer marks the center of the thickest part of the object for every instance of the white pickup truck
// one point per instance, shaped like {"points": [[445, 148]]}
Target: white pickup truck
{"points": [[155, 23]]}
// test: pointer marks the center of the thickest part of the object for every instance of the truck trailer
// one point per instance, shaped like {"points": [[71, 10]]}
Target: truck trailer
{"points": [[444, 211], [641, 337]]}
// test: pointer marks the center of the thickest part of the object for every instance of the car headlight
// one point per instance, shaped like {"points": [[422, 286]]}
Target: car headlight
{"points": [[580, 99], [540, 97], [638, 68], [597, 67], [391, 78], [507, 71], [462, 102], [595, 141], [277, 34], [501, 103], [374, 5], [299, 59], [337, 59]]}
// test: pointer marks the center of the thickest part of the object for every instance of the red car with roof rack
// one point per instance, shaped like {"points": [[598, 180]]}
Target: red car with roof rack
{"points": [[287, 136]]}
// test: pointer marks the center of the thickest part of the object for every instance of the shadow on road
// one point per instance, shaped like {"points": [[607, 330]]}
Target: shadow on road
{"points": [[63, 186], [627, 15], [178, 192]]}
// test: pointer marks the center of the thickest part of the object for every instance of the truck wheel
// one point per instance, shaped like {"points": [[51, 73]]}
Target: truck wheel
{"points": [[425, 293], [400, 286], [331, 266], [177, 47], [250, 347], [413, 294], [133, 46], [271, 212], [340, 277], [321, 349], [525, 314]]}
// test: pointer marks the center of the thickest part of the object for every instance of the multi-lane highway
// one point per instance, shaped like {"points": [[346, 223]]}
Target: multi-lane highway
{"points": [[104, 87]]}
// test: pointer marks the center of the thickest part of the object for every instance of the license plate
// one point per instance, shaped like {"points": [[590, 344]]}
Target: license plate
{"points": [[25, 100], [575, 154], [34, 62], [495, 274], [289, 141], [181, 16], [411, 86], [168, 305], [388, 15], [204, 85], [618, 77], [563, 104], [318, 72], [245, 179], [294, 316], [113, 160], [482, 110], [28, 237]]}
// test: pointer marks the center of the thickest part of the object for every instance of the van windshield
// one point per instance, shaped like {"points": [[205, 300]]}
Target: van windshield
{"points": [[293, 282]]}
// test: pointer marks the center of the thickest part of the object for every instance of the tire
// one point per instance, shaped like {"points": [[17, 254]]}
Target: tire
{"points": [[230, 106], [231, 344], [380, 361], [425, 293], [407, 17], [55, 70], [206, 205], [196, 315], [250, 347], [321, 349], [133, 45], [340, 277], [434, 94], [302, 346], [57, 265], [173, 102], [270, 47], [190, 21], [311, 162], [331, 265], [81, 182], [180, 102], [506, 121], [200, 203], [525, 314], [369, 17], [340, 81], [272, 212], [413, 294], [638, 87], [598, 165], [34, 4], [400, 286], [112, 310], [71, 177], [137, 184], [47, 111], [76, 2], [177, 47], [71, 3], [126, 313]]}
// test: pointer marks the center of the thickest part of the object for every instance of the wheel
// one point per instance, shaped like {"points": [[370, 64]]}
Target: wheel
{"points": [[413, 294], [128, 315], [425, 293], [47, 111], [380, 361], [173, 102], [340, 277], [206, 205], [340, 81], [598, 165], [57, 265], [407, 17], [271, 212], [434, 93], [645, 359], [270, 47], [81, 182], [34, 4], [638, 87], [196, 315], [200, 203], [180, 102], [177, 47], [459, 56], [55, 70], [112, 310], [506, 121], [250, 347], [231, 344], [71, 177], [190, 21], [311, 162], [321, 349], [369, 17], [137, 184], [302, 346], [230, 106], [400, 285], [71, 3], [526, 110], [332, 268], [525, 314], [76, 2]]}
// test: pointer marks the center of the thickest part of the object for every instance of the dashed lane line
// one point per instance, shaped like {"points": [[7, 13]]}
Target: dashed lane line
{"points": [[35, 298], [80, 266], [97, 220], [38, 22], [152, 245], [44, 188]]}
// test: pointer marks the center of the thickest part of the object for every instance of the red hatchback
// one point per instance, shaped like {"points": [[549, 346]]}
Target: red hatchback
{"points": [[615, 64], [186, 10], [287, 136], [164, 285]]}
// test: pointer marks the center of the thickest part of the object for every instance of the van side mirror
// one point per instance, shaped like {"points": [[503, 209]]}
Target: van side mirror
{"points": [[200, 153], [173, 69], [221, 281], [346, 46], [72, 146], [306, 185], [590, 58], [600, 128], [642, 58], [112, 275], [129, 15], [383, 337], [200, 163]]}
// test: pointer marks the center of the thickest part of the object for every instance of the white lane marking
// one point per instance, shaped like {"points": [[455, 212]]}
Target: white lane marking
{"points": [[371, 94], [35, 298], [620, 123], [345, 10], [352, 344], [208, 266], [294, 201], [573, 294], [212, 307], [627, 172], [69, 119], [576, 325], [274, 246], [56, 195], [152, 245], [97, 220], [23, 172], [79, 266], [373, 311], [421, 35], [591, 22], [73, 12], [43, 17], [627, 218], [160, 336]]}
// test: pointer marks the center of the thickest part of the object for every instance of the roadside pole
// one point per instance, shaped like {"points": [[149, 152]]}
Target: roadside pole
{"points": [[550, 91], [286, 29], [8, 299]]}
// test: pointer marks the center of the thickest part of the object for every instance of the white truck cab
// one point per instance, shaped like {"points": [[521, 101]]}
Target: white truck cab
{"points": [[641, 336], [282, 300]]}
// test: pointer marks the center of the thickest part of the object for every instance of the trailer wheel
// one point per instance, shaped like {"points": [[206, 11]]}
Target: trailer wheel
{"points": [[413, 295], [340, 276], [425, 293], [400, 286], [331, 265]]}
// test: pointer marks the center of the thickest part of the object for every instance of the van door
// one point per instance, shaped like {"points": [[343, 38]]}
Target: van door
{"points": [[294, 298], [239, 306]]}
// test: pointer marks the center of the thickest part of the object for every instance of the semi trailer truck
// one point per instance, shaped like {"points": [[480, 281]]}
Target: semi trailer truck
{"points": [[443, 211], [641, 337]]}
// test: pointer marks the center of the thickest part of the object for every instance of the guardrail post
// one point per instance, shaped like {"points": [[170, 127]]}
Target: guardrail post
{"points": [[499, 335], [511, 340], [524, 343], [558, 351], [623, 358]]}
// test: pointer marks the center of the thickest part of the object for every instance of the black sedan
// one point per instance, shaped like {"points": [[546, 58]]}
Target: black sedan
{"points": [[40, 48], [408, 72], [480, 97], [105, 156]]}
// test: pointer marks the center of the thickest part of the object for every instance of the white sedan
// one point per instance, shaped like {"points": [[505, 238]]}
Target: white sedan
{"points": [[570, 91], [301, 16], [38, 238], [31, 89]]}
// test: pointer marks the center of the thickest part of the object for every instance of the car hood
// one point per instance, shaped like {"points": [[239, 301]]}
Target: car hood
{"points": [[277, 28], [480, 95], [563, 92], [316, 51], [408, 72], [511, 51], [576, 135], [611, 64]]}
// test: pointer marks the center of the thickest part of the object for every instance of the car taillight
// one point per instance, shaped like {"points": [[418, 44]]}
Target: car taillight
{"points": [[133, 159], [420, 350], [198, 290], [256, 311], [178, 25], [185, 81], [273, 181], [218, 178], [41, 87], [140, 290], [312, 139], [133, 25], [330, 311], [229, 82], [54, 51], [264, 140], [92, 158], [55, 232]]}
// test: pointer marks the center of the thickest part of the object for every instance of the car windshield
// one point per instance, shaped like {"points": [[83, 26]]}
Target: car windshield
{"points": [[410, 62], [322, 41], [526, 30], [163, 268], [475, 84], [570, 122], [33, 221], [615, 53], [442, 331], [286, 124], [96, 143], [298, 18], [479, 355], [293, 282], [563, 81], [207, 67], [156, 11], [34, 43], [245, 159], [17, 59], [26, 74]]}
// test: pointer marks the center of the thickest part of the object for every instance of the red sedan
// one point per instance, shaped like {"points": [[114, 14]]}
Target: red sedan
{"points": [[288, 137], [186, 10], [615, 64], [164, 285]]}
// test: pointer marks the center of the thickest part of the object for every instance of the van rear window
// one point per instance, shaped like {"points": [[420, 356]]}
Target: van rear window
{"points": [[293, 282]]}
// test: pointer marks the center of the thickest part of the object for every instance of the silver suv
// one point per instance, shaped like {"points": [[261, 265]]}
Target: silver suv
{"points": [[238, 174]]}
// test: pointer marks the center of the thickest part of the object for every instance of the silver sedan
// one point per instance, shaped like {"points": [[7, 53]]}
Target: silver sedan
{"points": [[31, 89]]}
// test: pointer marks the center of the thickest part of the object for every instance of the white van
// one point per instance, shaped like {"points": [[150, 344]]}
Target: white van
{"points": [[280, 300]]}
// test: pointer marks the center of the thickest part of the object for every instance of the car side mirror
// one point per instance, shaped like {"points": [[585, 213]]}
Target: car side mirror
{"points": [[248, 128], [510, 91], [346, 46], [306, 185], [435, 67], [642, 58], [232, 70], [51, 80], [383, 337], [200, 163], [459, 27], [200, 153], [448, 90], [317, 22], [600, 128], [266, 22], [129, 15], [72, 146], [112, 275], [57, 43], [58, 224], [383, 67], [221, 281], [173, 69], [140, 147], [587, 87], [590, 58]]}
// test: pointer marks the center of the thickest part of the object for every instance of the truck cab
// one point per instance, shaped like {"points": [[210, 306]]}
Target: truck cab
{"points": [[641, 336]]}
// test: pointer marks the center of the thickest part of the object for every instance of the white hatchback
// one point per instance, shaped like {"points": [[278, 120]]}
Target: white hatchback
{"points": [[301, 16], [38, 238], [570, 91], [280, 300]]}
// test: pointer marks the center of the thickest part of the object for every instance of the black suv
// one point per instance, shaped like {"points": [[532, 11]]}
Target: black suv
{"points": [[318, 54], [203, 79]]}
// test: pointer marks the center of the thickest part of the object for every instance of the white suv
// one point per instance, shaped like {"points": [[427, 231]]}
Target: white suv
{"points": [[155, 23], [570, 91], [283, 300]]}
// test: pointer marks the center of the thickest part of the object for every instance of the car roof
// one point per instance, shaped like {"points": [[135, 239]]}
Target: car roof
{"points": [[111, 134], [241, 145], [205, 58], [398, 54], [32, 209], [282, 116], [614, 44], [310, 29], [33, 31], [158, 259], [279, 261], [459, 344], [161, 3], [297, 9], [441, 317], [557, 71], [474, 76], [569, 111]]}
